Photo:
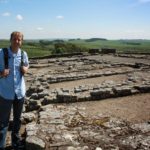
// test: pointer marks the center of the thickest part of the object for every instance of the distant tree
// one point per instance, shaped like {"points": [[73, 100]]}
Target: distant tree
{"points": [[67, 48], [57, 41], [45, 42], [95, 39]]}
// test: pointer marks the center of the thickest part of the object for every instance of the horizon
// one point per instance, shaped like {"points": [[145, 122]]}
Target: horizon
{"points": [[50, 39], [73, 19]]}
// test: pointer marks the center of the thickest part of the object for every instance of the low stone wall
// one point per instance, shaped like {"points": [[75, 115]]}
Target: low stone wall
{"points": [[44, 98], [52, 125]]}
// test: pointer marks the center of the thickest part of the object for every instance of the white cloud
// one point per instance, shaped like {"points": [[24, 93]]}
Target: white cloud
{"points": [[40, 28], [6, 14], [19, 17], [60, 17], [144, 1]]}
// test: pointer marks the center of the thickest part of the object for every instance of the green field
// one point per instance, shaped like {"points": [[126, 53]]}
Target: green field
{"points": [[136, 46], [38, 48]]}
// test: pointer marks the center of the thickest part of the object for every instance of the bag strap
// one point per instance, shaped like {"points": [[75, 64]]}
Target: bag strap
{"points": [[22, 54], [5, 51]]}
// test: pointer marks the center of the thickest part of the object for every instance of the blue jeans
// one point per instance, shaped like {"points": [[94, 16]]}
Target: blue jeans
{"points": [[5, 110]]}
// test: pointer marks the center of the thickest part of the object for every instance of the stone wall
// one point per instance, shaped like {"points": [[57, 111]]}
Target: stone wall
{"points": [[52, 125]]}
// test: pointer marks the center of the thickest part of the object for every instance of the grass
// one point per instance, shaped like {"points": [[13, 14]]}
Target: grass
{"points": [[36, 49], [137, 46]]}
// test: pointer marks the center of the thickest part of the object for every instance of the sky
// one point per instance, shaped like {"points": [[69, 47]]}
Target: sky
{"points": [[50, 19]]}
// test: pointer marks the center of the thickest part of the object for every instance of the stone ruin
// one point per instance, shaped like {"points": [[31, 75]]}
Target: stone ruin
{"points": [[52, 84], [108, 50]]}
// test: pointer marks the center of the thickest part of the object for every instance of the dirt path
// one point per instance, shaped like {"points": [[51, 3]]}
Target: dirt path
{"points": [[93, 81], [134, 109]]}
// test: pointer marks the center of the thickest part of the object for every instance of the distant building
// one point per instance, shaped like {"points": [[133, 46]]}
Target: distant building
{"points": [[108, 50]]}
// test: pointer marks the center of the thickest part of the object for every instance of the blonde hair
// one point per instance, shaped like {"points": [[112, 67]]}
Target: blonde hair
{"points": [[16, 33]]}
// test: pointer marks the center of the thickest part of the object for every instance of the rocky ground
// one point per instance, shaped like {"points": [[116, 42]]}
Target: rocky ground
{"points": [[88, 102]]}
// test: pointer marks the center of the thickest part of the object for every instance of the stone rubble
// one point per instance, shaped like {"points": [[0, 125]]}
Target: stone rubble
{"points": [[64, 127], [52, 124]]}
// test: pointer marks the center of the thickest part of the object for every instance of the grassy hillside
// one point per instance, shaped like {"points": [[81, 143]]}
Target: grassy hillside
{"points": [[142, 46], [47, 47]]}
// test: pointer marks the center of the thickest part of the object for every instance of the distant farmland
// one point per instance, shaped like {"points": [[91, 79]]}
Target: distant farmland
{"points": [[48, 47]]}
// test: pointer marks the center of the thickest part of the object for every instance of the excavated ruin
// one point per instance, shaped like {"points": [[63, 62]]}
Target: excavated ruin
{"points": [[55, 118]]}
